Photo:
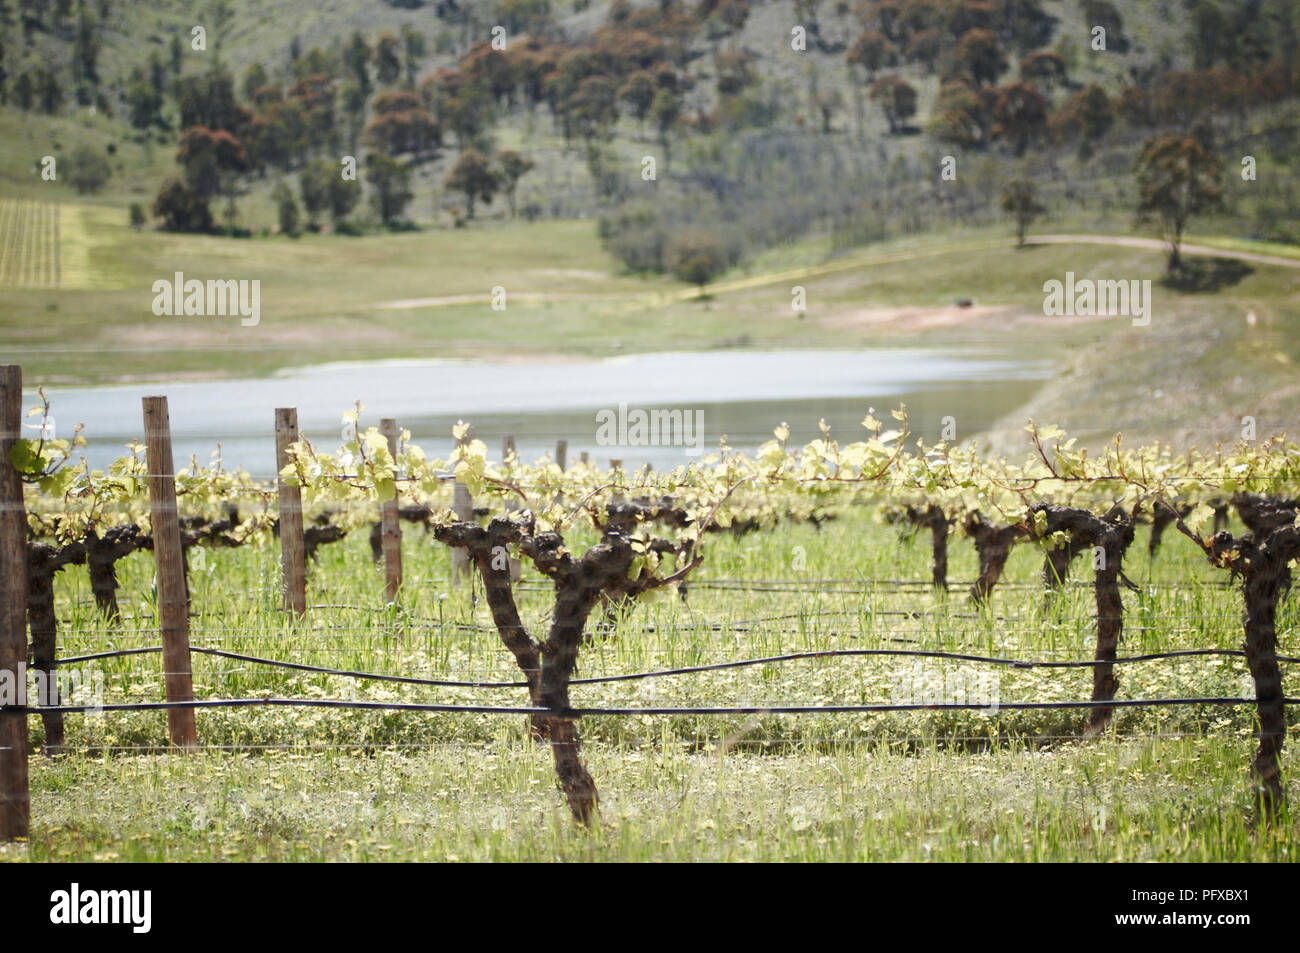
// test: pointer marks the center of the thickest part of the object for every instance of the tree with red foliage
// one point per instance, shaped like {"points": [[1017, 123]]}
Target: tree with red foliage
{"points": [[403, 125], [871, 52]]}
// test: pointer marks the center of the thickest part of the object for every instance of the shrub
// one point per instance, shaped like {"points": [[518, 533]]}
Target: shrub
{"points": [[181, 209], [90, 170], [699, 255]]}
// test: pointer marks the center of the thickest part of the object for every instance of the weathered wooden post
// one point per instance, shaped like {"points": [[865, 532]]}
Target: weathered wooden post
{"points": [[293, 547], [391, 523], [617, 467], [173, 602], [511, 504], [462, 504], [584, 457], [562, 453], [15, 802]]}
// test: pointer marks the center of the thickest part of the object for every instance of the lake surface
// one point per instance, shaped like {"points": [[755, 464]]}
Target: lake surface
{"points": [[740, 393]]}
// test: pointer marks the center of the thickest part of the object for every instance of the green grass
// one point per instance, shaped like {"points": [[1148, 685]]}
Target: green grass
{"points": [[1167, 783]]}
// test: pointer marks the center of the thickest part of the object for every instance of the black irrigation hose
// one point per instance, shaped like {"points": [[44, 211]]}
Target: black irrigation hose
{"points": [[716, 666], [582, 712]]}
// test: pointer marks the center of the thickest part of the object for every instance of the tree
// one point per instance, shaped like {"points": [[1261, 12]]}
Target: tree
{"points": [[181, 209], [390, 183], [356, 56], [871, 52], [1020, 114], [287, 209], [49, 94], [175, 57], [513, 167], [490, 70], [209, 100], [254, 79], [1020, 202], [518, 15], [314, 185], [278, 137], [978, 57], [317, 62], [639, 93], [90, 169], [324, 189], [1087, 116], [961, 115], [731, 15], [735, 72], [158, 74], [1177, 178], [666, 109], [414, 48], [1043, 69], [387, 57], [210, 160], [25, 91], [474, 176], [827, 102], [1102, 13], [85, 55], [402, 124], [456, 104], [143, 101], [897, 99], [924, 47], [594, 106], [314, 96]]}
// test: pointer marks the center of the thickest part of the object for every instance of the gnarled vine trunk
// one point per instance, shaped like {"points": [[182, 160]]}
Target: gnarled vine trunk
{"points": [[936, 521], [1057, 562], [314, 537], [1112, 534], [1162, 517], [102, 554], [993, 544], [43, 562], [1266, 575], [548, 667]]}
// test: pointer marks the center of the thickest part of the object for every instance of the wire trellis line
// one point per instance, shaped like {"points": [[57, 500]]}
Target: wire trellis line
{"points": [[691, 669], [491, 747], [624, 712]]}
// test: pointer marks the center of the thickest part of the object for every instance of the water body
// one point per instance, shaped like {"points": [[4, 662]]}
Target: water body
{"points": [[740, 393]]}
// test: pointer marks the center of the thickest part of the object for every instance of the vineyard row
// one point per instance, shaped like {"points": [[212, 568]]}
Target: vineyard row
{"points": [[649, 533]]}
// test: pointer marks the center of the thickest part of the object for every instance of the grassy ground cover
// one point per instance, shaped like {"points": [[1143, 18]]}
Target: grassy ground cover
{"points": [[1165, 783]]}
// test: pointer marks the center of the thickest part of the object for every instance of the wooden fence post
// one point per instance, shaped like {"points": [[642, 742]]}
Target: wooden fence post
{"points": [[562, 453], [617, 467], [293, 546], [584, 457], [173, 602], [511, 505], [391, 523], [462, 504], [15, 801]]}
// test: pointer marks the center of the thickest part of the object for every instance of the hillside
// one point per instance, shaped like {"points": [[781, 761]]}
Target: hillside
{"points": [[773, 166]]}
